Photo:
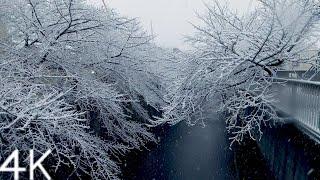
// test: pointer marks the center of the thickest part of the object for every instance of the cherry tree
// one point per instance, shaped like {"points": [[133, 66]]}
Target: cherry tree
{"points": [[235, 57], [74, 79]]}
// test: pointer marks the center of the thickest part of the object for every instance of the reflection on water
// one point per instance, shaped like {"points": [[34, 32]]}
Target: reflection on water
{"points": [[196, 153]]}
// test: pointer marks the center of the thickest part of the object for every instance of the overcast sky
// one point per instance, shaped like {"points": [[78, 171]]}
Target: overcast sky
{"points": [[169, 18]]}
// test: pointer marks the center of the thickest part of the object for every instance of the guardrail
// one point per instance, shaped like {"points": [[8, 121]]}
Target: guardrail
{"points": [[301, 100]]}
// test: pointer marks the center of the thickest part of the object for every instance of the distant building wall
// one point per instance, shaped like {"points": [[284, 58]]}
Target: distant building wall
{"points": [[296, 66]]}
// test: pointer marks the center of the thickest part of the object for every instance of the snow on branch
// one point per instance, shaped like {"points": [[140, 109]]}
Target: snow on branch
{"points": [[234, 62]]}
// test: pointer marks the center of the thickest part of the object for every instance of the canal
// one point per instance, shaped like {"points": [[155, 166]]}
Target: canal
{"points": [[196, 153]]}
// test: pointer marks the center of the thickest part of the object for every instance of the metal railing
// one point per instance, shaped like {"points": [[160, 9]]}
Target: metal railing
{"points": [[301, 100]]}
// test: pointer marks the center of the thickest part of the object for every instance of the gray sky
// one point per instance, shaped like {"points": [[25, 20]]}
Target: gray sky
{"points": [[169, 18]]}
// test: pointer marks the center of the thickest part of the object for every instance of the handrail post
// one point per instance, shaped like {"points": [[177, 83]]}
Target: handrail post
{"points": [[293, 99]]}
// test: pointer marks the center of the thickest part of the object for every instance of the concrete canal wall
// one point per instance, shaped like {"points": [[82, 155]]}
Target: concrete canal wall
{"points": [[290, 154]]}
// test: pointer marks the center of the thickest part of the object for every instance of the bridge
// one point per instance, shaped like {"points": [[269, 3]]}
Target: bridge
{"points": [[289, 150]]}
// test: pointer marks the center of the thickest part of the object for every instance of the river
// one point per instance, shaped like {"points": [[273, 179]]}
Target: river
{"points": [[197, 153]]}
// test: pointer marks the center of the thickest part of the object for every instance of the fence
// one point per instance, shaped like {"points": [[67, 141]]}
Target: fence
{"points": [[301, 100]]}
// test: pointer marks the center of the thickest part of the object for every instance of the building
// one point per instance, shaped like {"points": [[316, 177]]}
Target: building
{"points": [[299, 70]]}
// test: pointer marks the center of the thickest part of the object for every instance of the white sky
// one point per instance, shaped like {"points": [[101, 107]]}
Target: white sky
{"points": [[169, 18]]}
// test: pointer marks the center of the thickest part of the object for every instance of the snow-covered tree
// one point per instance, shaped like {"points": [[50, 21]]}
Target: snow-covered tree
{"points": [[75, 79], [235, 57]]}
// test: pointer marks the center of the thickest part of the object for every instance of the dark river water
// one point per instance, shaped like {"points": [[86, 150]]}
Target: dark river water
{"points": [[196, 153]]}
